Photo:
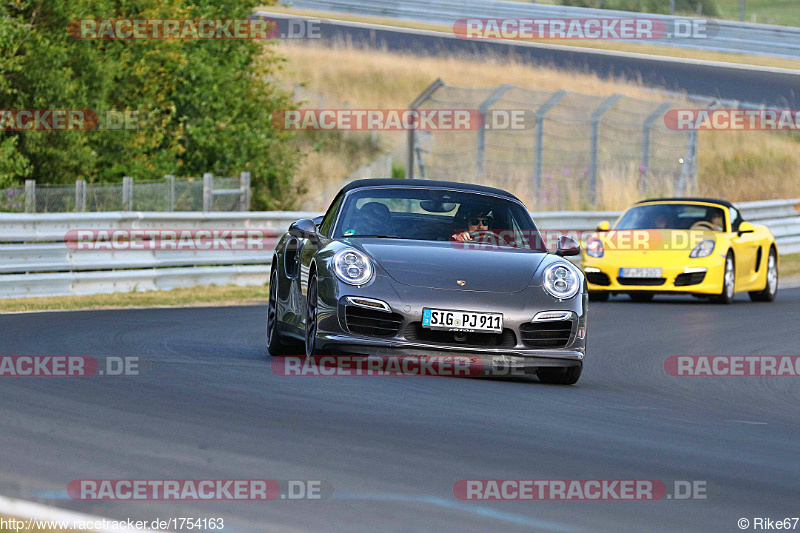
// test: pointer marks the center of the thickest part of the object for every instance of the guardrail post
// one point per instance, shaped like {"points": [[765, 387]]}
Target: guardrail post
{"points": [[127, 193], [596, 116], [170, 179], [646, 127], [411, 144], [537, 158], [208, 188], [244, 184], [80, 195], [482, 109], [30, 196]]}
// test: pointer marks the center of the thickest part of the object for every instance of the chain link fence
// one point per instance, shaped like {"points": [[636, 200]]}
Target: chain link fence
{"points": [[207, 193], [557, 150]]}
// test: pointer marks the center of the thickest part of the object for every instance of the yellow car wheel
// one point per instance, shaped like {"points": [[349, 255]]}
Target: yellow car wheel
{"points": [[728, 282], [771, 287]]}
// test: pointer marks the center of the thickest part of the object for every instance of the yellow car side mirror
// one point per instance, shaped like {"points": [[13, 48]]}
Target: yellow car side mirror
{"points": [[746, 227], [604, 226]]}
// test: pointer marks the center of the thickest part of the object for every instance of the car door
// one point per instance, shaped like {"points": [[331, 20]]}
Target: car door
{"points": [[745, 247]]}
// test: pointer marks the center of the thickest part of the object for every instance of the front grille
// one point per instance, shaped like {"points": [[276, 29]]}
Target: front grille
{"points": [[415, 332], [547, 334], [689, 279], [372, 322], [598, 278], [641, 281]]}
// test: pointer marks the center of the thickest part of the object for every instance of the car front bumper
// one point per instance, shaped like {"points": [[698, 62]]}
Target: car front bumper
{"points": [[690, 276], [407, 303]]}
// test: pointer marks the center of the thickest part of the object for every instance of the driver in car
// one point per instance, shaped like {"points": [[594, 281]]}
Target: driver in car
{"points": [[478, 220], [713, 222]]}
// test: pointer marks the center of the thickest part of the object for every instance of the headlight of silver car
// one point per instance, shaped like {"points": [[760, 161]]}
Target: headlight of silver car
{"points": [[561, 281], [352, 266]]}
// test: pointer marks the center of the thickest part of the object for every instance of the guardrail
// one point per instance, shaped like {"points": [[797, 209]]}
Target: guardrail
{"points": [[36, 260], [738, 37]]}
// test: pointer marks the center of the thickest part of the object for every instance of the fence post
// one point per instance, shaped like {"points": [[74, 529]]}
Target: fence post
{"points": [[244, 184], [597, 114], [537, 161], [127, 193], [208, 188], [30, 196], [482, 109], [80, 196], [171, 193], [411, 144], [646, 127], [388, 165]]}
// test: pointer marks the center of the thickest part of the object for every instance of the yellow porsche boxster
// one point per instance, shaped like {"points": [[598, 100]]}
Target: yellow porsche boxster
{"points": [[695, 246]]}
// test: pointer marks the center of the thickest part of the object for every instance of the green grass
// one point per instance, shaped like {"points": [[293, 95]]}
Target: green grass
{"points": [[784, 12], [195, 296], [789, 265]]}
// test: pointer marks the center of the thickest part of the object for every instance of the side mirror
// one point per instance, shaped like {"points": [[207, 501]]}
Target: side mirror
{"points": [[567, 246], [304, 228], [604, 226], [318, 220], [746, 227]]}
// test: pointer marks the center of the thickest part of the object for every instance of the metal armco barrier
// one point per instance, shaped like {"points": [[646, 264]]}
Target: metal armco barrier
{"points": [[35, 259], [722, 35]]}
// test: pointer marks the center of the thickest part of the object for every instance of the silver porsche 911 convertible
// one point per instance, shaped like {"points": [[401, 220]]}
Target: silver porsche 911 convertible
{"points": [[418, 267]]}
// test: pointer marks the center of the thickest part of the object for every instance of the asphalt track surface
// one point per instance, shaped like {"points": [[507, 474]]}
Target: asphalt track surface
{"points": [[770, 87], [209, 407]]}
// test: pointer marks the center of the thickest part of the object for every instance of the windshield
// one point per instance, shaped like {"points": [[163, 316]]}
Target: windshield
{"points": [[673, 216], [437, 215]]}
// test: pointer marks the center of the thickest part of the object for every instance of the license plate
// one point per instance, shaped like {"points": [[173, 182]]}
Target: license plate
{"points": [[640, 272], [450, 320]]}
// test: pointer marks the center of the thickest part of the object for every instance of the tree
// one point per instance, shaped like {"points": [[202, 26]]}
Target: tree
{"points": [[199, 105]]}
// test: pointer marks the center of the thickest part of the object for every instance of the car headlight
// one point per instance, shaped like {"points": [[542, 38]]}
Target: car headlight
{"points": [[561, 281], [594, 247], [352, 266], [703, 249]]}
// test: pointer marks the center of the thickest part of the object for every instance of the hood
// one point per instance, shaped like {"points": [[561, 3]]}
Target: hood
{"points": [[439, 265]]}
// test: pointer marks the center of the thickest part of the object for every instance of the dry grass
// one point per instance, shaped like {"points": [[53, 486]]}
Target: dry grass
{"points": [[196, 296], [738, 166], [652, 49]]}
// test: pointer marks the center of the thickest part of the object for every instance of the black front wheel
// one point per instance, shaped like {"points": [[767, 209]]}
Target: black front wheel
{"points": [[311, 317]]}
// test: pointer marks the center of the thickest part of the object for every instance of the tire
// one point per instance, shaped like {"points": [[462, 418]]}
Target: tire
{"points": [[641, 296], [560, 376], [598, 296], [728, 282], [312, 305], [275, 342], [771, 287]]}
